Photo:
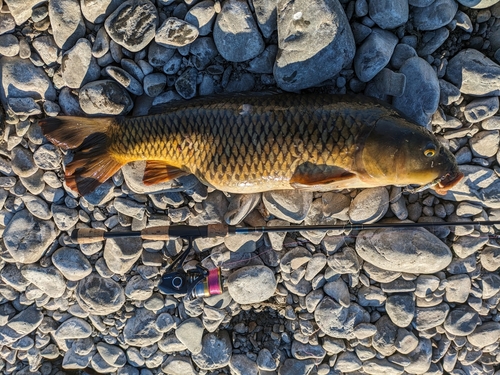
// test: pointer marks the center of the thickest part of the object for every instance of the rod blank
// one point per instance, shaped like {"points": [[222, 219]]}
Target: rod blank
{"points": [[91, 235]]}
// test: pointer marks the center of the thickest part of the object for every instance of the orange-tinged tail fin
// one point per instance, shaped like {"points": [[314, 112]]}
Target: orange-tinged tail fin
{"points": [[92, 163]]}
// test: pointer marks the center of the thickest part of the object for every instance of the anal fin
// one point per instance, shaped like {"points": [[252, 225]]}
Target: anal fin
{"points": [[158, 171]]}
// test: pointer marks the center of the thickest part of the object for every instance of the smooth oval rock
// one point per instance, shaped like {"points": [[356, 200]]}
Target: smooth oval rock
{"points": [[235, 32], [26, 237], [436, 15], [403, 250], [420, 77], [66, 21], [133, 24], [71, 263], [251, 284], [474, 74], [140, 330], [105, 97], [315, 42], [99, 296], [369, 206]]}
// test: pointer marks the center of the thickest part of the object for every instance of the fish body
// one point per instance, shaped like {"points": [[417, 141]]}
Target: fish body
{"points": [[256, 143]]}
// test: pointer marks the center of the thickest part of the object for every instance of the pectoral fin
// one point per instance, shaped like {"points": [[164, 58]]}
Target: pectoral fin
{"points": [[158, 171], [322, 177]]}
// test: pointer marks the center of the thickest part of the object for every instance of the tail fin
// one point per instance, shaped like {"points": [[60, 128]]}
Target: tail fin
{"points": [[92, 164]]}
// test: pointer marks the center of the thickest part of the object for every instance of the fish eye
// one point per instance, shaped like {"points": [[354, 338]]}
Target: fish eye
{"points": [[430, 150]]}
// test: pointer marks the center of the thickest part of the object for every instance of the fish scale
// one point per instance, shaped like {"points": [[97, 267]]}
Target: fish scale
{"points": [[254, 143], [228, 150]]}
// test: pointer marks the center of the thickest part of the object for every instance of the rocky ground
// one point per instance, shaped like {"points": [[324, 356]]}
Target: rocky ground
{"points": [[370, 302]]}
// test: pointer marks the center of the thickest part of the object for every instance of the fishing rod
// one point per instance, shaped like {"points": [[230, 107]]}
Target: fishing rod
{"points": [[163, 233], [201, 282]]}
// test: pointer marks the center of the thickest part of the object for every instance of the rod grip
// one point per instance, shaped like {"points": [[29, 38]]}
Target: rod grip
{"points": [[156, 233], [87, 235]]}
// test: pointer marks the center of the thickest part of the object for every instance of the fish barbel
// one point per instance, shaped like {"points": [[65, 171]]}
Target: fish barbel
{"points": [[256, 143]]}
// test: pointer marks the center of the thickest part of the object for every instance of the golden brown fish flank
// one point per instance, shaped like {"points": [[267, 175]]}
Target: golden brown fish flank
{"points": [[256, 143]]}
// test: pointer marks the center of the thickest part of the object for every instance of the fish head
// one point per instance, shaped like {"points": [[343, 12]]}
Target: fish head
{"points": [[398, 152]]}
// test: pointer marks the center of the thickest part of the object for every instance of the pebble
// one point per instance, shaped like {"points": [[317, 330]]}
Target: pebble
{"points": [[133, 24], [430, 317], [154, 84], [186, 83], [251, 284], [235, 32], [138, 288], [490, 258], [458, 288], [384, 340], [36, 206], [178, 365], [288, 205], [9, 45], [99, 296], [296, 367], [485, 334], [113, 355], [216, 351], [420, 357], [22, 162], [96, 12], [481, 109], [474, 74], [203, 52], [369, 206], [202, 16], [434, 16], [401, 308], [347, 362], [485, 143], [120, 254], [389, 14], [461, 321], [412, 251], [26, 237], [310, 36], [420, 77], [47, 48], [374, 54], [25, 322], [47, 279], [67, 22], [125, 79], [73, 328], [338, 321], [104, 97], [176, 33], [71, 263], [20, 78], [79, 66]]}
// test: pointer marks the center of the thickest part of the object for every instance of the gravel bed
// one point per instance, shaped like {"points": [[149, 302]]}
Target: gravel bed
{"points": [[385, 301]]}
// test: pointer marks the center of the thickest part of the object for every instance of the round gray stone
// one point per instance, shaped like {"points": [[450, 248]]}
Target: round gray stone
{"points": [[66, 21], [289, 205], [99, 296], [251, 284], [72, 263], [438, 14], [235, 32], [315, 43], [216, 351], [176, 33], [26, 238], [403, 250], [133, 24], [420, 78], [105, 97], [369, 206]]}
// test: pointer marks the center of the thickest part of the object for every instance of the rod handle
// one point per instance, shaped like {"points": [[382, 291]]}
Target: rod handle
{"points": [[87, 235]]}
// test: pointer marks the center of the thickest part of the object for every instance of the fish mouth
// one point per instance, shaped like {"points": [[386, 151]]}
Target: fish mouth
{"points": [[447, 182]]}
